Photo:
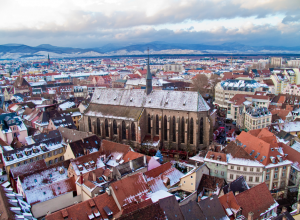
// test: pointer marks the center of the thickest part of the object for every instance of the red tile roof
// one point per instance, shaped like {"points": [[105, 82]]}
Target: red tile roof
{"points": [[229, 201], [109, 147], [257, 199], [131, 155], [158, 170], [88, 207], [130, 189]]}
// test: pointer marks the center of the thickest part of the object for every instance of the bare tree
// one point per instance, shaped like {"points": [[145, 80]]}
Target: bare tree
{"points": [[214, 80], [200, 83]]}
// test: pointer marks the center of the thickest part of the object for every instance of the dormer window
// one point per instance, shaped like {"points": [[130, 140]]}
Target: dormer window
{"points": [[184, 103], [167, 101], [251, 152], [149, 100], [131, 99], [115, 98]]}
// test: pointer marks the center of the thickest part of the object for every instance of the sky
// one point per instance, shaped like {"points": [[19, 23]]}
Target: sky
{"points": [[94, 23]]}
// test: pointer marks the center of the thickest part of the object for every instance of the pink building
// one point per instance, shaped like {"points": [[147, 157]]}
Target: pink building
{"points": [[12, 126]]}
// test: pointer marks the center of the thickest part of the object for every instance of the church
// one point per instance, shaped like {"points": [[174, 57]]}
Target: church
{"points": [[174, 119]]}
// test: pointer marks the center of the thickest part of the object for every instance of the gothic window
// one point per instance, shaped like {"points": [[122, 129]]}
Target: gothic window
{"points": [[191, 131], [182, 130], [98, 126], [133, 131], [123, 130], [106, 128], [115, 128], [201, 131], [90, 124], [165, 128], [174, 129], [149, 124], [157, 125]]}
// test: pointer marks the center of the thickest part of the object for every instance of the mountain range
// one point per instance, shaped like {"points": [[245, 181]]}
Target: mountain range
{"points": [[19, 51]]}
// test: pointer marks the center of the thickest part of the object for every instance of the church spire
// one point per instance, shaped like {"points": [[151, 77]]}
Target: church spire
{"points": [[48, 60], [148, 78]]}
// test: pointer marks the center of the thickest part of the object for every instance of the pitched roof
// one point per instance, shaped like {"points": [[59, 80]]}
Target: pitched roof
{"points": [[257, 199], [131, 155], [83, 209], [28, 168], [148, 212], [229, 203], [130, 189], [211, 182], [161, 99], [171, 208], [192, 210], [157, 171], [70, 135], [109, 147], [238, 185], [85, 145], [212, 208]]}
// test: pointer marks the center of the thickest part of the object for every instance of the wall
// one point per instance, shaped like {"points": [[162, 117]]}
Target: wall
{"points": [[40, 209], [233, 170], [69, 153]]}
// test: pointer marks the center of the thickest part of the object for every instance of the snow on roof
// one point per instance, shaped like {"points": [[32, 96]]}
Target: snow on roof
{"points": [[160, 194], [44, 177], [47, 192], [243, 162], [66, 105], [296, 146], [162, 99]]}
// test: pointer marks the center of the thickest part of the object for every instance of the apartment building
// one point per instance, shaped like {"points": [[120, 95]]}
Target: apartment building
{"points": [[262, 146], [239, 101], [48, 148], [226, 90], [254, 118], [280, 80]]}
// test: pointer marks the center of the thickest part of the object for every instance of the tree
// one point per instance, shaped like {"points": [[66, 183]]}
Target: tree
{"points": [[200, 82], [158, 154], [214, 80]]}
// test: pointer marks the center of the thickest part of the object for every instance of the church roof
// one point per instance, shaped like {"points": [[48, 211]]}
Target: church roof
{"points": [[122, 112], [159, 99]]}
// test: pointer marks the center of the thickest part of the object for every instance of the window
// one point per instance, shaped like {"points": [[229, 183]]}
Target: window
{"points": [[18, 164], [267, 176], [258, 169], [43, 156], [37, 158], [25, 162], [231, 176], [55, 160], [275, 175], [268, 170], [257, 179], [55, 152], [222, 173], [49, 154], [191, 177], [276, 168], [50, 162], [283, 174], [191, 183], [284, 167], [238, 168], [232, 167], [282, 184], [250, 178], [245, 168], [251, 169], [216, 171]]}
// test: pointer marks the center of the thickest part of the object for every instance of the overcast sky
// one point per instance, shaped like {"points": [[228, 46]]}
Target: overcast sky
{"points": [[93, 23]]}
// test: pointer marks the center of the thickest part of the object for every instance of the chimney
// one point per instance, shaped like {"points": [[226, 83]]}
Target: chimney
{"points": [[250, 215], [94, 176], [81, 178], [284, 209]]}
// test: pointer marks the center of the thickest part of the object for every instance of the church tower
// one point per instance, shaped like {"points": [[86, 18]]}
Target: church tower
{"points": [[148, 78], [48, 60]]}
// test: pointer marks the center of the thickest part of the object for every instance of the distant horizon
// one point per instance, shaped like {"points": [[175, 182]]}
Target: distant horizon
{"points": [[151, 42], [91, 23]]}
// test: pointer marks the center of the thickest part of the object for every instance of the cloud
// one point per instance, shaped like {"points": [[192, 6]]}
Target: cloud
{"points": [[92, 23]]}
